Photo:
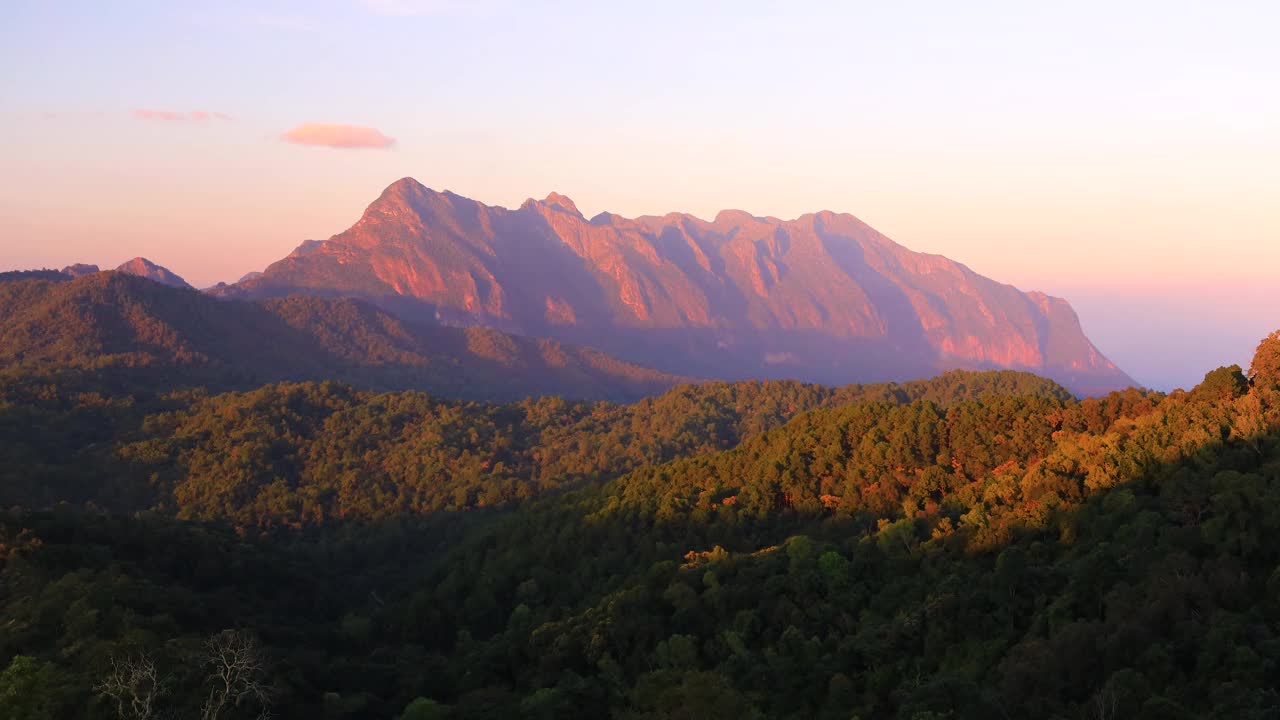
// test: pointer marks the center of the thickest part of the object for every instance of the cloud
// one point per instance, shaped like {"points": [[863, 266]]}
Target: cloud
{"points": [[337, 136], [171, 116]]}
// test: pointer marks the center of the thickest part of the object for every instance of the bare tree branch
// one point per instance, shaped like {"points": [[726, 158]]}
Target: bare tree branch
{"points": [[236, 674], [135, 685], [1106, 702]]}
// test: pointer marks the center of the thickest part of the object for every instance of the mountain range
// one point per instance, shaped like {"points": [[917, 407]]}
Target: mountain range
{"points": [[124, 329], [138, 266], [823, 297]]}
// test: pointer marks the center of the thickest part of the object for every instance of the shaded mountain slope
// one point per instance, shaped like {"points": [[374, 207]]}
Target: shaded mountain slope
{"points": [[135, 330]]}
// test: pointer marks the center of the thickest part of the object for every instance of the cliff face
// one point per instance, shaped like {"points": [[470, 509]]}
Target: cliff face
{"points": [[822, 297]]}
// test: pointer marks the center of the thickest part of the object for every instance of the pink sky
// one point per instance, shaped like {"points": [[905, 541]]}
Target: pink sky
{"points": [[1126, 157]]}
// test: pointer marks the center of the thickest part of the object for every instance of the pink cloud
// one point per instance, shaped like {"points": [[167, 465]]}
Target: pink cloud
{"points": [[171, 116], [337, 136]]}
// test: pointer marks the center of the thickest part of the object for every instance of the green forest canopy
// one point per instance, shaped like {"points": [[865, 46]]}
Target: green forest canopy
{"points": [[978, 545]]}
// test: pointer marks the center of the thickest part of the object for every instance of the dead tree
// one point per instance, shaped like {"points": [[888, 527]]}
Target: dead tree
{"points": [[236, 674], [134, 685], [1106, 702]]}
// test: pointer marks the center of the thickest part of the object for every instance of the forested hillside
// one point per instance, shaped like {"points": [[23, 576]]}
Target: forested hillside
{"points": [[304, 453], [979, 545], [120, 332]]}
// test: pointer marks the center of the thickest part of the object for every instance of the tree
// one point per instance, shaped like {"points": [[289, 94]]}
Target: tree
{"points": [[32, 690], [1265, 369], [1225, 382], [423, 709], [686, 695], [134, 685], [237, 673], [835, 570]]}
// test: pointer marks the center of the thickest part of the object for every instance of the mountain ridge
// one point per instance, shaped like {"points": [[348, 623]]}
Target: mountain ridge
{"points": [[823, 297], [139, 266]]}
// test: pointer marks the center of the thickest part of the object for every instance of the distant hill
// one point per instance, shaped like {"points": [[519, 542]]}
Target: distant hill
{"points": [[138, 266], [822, 298], [143, 267], [44, 274], [80, 269], [130, 329]]}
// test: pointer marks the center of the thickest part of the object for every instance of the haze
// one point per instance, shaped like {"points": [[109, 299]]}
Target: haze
{"points": [[1126, 158]]}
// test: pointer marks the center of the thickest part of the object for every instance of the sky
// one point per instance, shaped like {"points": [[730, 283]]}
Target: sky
{"points": [[1123, 155]]}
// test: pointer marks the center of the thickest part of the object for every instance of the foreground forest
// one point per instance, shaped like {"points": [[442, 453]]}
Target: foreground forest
{"points": [[973, 546]]}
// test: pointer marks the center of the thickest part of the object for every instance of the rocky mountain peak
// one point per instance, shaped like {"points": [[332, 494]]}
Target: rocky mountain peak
{"points": [[143, 267], [555, 199]]}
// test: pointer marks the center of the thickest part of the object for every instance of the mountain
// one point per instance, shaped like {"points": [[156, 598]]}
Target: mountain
{"points": [[79, 269], [823, 297], [143, 267], [138, 266], [129, 329]]}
